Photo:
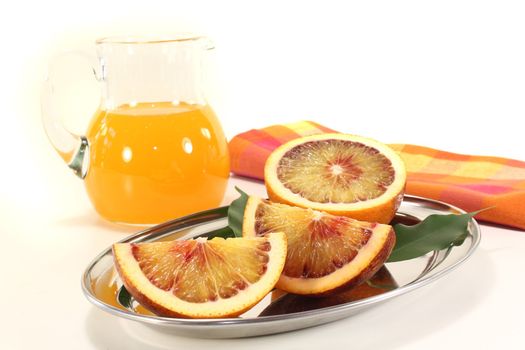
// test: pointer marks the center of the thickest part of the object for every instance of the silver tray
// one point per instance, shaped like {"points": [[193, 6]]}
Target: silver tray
{"points": [[279, 312]]}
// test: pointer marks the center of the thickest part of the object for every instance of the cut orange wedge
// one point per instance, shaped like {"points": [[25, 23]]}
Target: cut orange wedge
{"points": [[201, 278], [326, 253]]}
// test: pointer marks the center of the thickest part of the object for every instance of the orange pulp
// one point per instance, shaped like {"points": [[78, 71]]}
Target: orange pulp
{"points": [[151, 162]]}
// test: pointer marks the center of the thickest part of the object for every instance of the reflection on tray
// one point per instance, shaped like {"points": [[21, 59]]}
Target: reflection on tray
{"points": [[283, 303]]}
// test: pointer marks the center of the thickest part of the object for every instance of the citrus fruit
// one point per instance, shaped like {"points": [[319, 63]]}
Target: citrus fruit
{"points": [[326, 253], [337, 173], [201, 278]]}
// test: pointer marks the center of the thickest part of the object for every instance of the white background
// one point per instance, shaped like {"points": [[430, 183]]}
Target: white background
{"points": [[446, 74]]}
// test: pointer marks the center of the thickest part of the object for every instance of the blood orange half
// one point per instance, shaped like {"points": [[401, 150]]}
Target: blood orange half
{"points": [[201, 278], [326, 253], [337, 173]]}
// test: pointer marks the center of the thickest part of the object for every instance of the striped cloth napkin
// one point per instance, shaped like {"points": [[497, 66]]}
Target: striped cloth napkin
{"points": [[469, 182]]}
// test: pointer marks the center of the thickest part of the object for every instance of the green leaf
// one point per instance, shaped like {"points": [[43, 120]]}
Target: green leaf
{"points": [[224, 232], [436, 232], [236, 213]]}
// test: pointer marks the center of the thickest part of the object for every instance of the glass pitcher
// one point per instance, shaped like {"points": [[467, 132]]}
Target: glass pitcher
{"points": [[154, 150]]}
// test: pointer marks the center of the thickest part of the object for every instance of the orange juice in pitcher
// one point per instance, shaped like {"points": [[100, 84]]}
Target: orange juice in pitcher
{"points": [[154, 150], [164, 161]]}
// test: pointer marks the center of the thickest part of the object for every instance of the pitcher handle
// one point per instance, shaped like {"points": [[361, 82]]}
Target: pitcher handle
{"points": [[74, 149]]}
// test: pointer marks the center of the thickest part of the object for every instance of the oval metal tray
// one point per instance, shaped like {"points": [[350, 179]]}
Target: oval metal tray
{"points": [[279, 312]]}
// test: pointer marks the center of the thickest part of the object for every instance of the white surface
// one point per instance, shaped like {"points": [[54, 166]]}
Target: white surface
{"points": [[447, 74]]}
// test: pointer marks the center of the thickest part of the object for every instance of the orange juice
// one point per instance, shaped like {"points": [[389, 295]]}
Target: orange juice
{"points": [[151, 162]]}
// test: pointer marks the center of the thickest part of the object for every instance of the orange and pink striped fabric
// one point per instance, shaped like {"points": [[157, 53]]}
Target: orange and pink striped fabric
{"points": [[469, 182]]}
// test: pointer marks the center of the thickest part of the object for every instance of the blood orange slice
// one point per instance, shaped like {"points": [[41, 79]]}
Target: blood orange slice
{"points": [[326, 253], [337, 173], [201, 278]]}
